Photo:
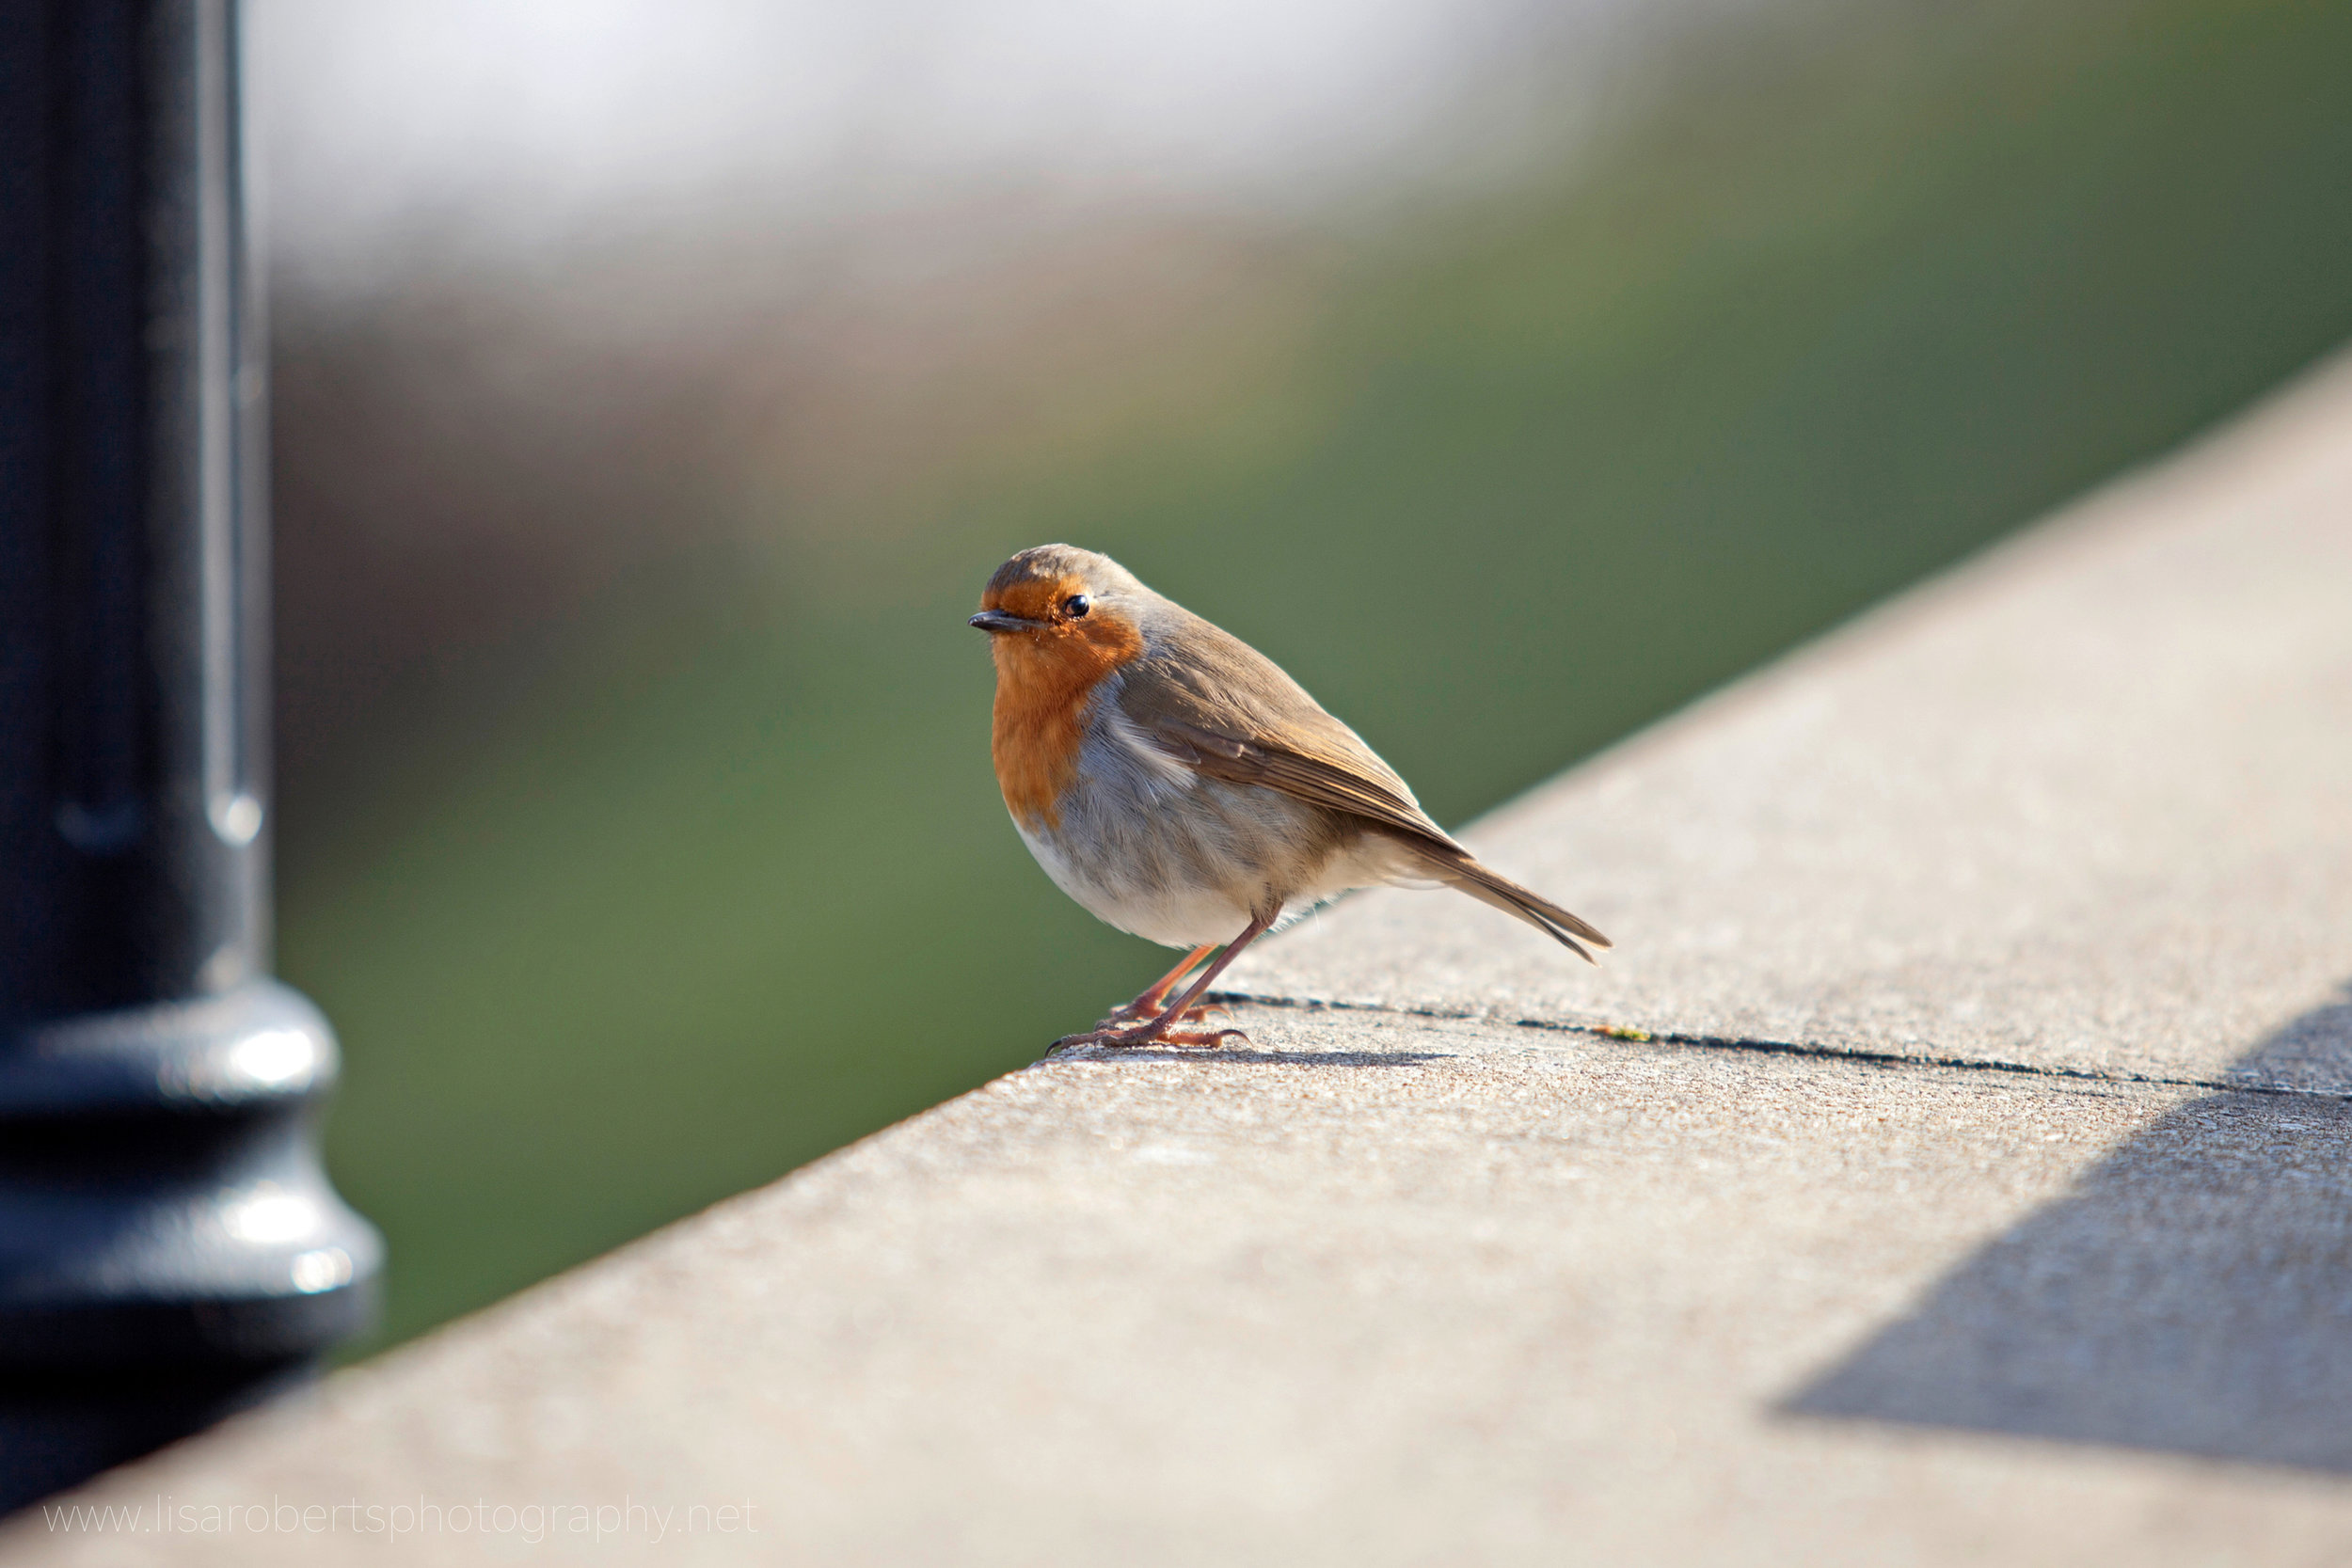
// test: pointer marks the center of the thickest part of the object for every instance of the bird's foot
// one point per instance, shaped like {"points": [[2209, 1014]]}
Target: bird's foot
{"points": [[1136, 1012], [1154, 1032], [1204, 1038]]}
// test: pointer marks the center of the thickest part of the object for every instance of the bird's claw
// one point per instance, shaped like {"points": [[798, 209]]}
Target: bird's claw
{"points": [[1127, 1012], [1149, 1034], [1209, 1040]]}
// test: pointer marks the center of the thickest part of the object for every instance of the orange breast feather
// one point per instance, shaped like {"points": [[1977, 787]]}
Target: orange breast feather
{"points": [[1043, 679]]}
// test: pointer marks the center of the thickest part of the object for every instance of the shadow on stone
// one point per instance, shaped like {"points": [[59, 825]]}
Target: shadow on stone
{"points": [[2192, 1294]]}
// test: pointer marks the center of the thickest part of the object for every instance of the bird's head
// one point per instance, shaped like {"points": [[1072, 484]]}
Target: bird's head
{"points": [[1062, 608]]}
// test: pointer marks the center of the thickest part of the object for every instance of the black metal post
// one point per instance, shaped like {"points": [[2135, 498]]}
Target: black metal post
{"points": [[170, 1246]]}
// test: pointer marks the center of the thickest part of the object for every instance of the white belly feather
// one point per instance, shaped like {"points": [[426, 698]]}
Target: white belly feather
{"points": [[1148, 846]]}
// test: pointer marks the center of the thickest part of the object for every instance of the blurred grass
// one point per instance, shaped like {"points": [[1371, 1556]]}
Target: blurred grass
{"points": [[733, 886]]}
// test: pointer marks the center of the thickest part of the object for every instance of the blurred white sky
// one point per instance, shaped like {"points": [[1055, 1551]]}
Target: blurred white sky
{"points": [[509, 124]]}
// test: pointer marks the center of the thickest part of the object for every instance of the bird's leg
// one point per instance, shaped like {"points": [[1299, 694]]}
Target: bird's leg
{"points": [[1157, 1032], [1147, 1005]]}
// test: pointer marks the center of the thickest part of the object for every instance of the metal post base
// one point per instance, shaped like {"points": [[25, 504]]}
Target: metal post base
{"points": [[170, 1246]]}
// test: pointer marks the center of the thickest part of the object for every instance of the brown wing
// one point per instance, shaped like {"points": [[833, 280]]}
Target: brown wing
{"points": [[1230, 712]]}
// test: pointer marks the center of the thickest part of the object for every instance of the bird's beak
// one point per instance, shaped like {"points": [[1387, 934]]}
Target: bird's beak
{"points": [[996, 620]]}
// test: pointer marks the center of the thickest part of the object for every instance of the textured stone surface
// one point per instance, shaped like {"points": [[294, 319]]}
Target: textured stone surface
{"points": [[1397, 1290], [2086, 801], [1888, 1256]]}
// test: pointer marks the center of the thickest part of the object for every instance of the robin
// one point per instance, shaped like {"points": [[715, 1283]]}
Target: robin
{"points": [[1179, 785]]}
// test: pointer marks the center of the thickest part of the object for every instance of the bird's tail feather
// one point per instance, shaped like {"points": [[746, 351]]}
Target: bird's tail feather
{"points": [[1491, 887]]}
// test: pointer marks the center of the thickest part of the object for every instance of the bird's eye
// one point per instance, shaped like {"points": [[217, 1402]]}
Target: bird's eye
{"points": [[1076, 606]]}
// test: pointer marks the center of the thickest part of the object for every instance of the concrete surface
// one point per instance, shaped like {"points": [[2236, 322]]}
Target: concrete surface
{"points": [[1993, 1203], [2087, 802]]}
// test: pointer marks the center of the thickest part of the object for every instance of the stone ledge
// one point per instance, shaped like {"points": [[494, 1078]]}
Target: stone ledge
{"points": [[1936, 1222], [2081, 803]]}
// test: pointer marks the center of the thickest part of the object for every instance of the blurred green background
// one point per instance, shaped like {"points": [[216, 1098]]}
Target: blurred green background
{"points": [[640, 869]]}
